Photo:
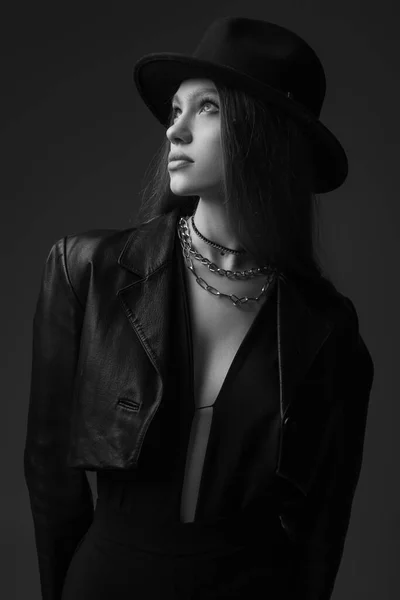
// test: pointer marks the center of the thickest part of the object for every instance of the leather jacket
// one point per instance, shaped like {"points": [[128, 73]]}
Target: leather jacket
{"points": [[100, 333]]}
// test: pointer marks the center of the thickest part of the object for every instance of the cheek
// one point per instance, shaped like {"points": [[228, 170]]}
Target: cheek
{"points": [[217, 157], [213, 153]]}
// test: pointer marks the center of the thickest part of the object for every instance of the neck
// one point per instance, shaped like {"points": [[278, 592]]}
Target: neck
{"points": [[211, 221]]}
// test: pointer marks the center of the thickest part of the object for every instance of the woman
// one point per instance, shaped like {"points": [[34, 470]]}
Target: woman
{"points": [[200, 363]]}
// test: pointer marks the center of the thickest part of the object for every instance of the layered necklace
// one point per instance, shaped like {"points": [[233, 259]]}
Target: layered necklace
{"points": [[189, 252]]}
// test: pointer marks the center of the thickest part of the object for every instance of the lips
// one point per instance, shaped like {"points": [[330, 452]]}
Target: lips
{"points": [[177, 156], [177, 164]]}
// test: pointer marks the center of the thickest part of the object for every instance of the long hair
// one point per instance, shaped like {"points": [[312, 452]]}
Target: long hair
{"points": [[267, 182]]}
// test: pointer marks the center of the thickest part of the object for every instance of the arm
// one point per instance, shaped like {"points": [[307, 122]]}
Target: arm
{"points": [[321, 522], [60, 497]]}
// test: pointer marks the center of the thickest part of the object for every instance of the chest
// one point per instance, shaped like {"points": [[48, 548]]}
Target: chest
{"points": [[217, 329]]}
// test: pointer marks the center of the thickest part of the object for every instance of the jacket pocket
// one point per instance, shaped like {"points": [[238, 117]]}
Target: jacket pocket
{"points": [[129, 404]]}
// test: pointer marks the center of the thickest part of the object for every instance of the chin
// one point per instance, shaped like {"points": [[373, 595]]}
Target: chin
{"points": [[180, 189], [180, 186]]}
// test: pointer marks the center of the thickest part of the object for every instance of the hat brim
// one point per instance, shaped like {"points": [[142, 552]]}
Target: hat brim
{"points": [[157, 76]]}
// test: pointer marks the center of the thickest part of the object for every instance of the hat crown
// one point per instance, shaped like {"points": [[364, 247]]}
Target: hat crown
{"points": [[268, 54]]}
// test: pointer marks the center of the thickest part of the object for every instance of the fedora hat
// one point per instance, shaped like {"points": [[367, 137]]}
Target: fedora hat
{"points": [[263, 59]]}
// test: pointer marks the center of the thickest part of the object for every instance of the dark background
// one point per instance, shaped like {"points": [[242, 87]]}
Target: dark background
{"points": [[76, 140]]}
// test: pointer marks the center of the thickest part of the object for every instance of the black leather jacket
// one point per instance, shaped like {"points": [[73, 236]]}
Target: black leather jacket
{"points": [[98, 366]]}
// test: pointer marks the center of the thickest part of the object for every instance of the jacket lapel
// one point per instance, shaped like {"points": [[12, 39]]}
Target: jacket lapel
{"points": [[148, 255], [147, 298]]}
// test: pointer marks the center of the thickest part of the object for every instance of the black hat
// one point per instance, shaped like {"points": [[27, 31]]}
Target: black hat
{"points": [[263, 59]]}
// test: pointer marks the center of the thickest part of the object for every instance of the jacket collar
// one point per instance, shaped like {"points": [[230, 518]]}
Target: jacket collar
{"points": [[147, 254]]}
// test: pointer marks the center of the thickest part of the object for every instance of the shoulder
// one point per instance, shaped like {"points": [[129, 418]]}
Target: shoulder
{"points": [[94, 245], [351, 351], [87, 251], [322, 297]]}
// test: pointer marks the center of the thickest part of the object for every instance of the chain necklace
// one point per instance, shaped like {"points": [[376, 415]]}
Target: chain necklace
{"points": [[212, 266], [186, 244], [223, 249]]}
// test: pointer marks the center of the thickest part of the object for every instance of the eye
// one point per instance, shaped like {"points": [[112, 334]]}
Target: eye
{"points": [[204, 101]]}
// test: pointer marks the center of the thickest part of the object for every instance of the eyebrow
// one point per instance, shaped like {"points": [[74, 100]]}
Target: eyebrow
{"points": [[195, 94]]}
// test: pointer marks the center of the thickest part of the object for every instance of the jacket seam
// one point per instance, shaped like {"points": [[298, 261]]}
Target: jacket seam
{"points": [[67, 273]]}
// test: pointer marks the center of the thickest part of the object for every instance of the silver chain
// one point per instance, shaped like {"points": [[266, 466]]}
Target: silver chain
{"points": [[186, 244], [223, 249], [183, 231]]}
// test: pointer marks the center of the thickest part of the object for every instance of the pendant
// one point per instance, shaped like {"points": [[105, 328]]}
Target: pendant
{"points": [[222, 253]]}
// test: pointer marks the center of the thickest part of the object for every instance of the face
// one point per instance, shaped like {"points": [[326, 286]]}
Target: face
{"points": [[195, 131]]}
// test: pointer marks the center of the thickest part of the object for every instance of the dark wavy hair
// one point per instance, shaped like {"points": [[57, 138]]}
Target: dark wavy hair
{"points": [[268, 182]]}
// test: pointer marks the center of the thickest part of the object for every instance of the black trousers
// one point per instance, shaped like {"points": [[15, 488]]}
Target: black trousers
{"points": [[118, 561]]}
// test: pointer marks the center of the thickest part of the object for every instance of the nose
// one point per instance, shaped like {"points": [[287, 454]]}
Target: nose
{"points": [[179, 131]]}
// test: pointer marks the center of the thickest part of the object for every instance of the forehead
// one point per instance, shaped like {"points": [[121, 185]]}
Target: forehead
{"points": [[190, 88]]}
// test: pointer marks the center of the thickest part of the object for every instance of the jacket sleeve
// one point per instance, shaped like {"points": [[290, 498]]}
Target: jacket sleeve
{"points": [[321, 522], [60, 497]]}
